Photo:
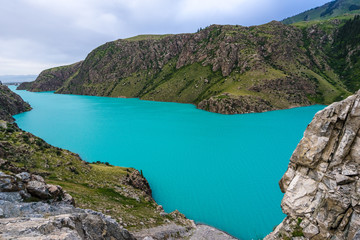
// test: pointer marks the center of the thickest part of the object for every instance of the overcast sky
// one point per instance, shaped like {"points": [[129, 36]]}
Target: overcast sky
{"points": [[38, 34]]}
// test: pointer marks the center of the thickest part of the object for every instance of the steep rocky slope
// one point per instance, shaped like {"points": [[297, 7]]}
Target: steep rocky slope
{"points": [[321, 185], [51, 79], [225, 69], [11, 104], [329, 10]]}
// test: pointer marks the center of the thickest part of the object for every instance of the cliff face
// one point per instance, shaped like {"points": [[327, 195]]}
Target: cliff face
{"points": [[11, 104], [51, 79], [321, 185], [225, 69]]}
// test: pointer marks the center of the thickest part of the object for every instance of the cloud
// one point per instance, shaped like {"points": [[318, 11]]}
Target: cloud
{"points": [[37, 34]]}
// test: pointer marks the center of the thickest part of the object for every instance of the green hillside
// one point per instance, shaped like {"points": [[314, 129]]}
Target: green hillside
{"points": [[223, 68], [327, 11]]}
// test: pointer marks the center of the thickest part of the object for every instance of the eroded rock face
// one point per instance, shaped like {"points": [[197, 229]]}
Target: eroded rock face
{"points": [[53, 216], [10, 104], [136, 180], [51, 79], [321, 185], [228, 104]]}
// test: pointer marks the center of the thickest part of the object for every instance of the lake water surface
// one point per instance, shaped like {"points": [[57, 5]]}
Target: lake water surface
{"points": [[216, 169]]}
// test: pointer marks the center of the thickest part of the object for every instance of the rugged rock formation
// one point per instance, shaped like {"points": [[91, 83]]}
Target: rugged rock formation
{"points": [[138, 181], [51, 79], [276, 65], [11, 104], [32, 209], [321, 185], [235, 105]]}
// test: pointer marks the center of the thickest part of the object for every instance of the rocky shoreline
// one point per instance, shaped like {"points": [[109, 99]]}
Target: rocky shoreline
{"points": [[30, 208], [321, 185]]}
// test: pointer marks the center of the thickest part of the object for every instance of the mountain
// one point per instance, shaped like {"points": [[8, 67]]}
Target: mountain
{"points": [[321, 184], [222, 68], [17, 78], [51, 79], [11, 104], [328, 10]]}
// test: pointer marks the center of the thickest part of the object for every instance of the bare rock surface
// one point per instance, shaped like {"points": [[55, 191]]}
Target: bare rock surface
{"points": [[32, 209], [52, 216], [321, 185], [172, 231], [205, 232]]}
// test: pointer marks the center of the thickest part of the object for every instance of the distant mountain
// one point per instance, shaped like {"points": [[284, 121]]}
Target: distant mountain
{"points": [[329, 10], [222, 68], [17, 78]]}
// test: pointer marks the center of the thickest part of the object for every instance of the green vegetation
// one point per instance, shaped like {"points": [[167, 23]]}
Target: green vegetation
{"points": [[327, 11], [282, 65], [346, 53], [147, 37], [298, 231], [97, 186]]}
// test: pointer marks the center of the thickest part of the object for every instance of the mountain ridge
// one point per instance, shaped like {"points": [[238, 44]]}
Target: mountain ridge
{"points": [[223, 68], [329, 10]]}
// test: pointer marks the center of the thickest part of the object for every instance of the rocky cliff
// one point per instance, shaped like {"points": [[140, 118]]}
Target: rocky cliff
{"points": [[51, 79], [11, 104], [225, 69], [321, 185]]}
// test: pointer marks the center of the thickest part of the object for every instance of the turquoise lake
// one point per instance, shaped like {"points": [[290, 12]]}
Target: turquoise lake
{"points": [[220, 170]]}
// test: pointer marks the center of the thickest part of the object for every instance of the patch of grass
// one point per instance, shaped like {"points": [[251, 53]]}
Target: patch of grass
{"points": [[298, 231], [147, 37]]}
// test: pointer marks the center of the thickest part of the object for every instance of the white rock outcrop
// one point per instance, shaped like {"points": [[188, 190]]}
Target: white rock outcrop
{"points": [[321, 185]]}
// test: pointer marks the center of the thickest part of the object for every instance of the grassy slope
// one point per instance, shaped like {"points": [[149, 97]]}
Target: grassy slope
{"points": [[147, 37], [327, 11], [195, 82], [99, 187]]}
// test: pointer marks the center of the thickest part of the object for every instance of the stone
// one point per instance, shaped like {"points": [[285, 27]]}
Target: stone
{"points": [[342, 179], [311, 230], [38, 189], [52, 219], [350, 170], [321, 184], [9, 184], [37, 178], [24, 176]]}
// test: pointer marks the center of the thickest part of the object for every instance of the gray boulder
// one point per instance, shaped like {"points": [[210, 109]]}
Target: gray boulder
{"points": [[54, 218]]}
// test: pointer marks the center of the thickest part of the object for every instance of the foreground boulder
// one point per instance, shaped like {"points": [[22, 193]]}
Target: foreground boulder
{"points": [[321, 185], [32, 209]]}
